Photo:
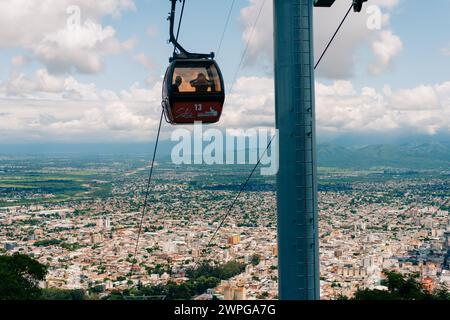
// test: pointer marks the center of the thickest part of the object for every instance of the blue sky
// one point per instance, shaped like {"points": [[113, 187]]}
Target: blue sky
{"points": [[423, 29], [103, 84]]}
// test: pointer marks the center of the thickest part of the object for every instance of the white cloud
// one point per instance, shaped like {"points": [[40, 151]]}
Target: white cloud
{"points": [[261, 42], [19, 61], [24, 22], [42, 85], [385, 49], [80, 49], [423, 109], [446, 51], [152, 31], [78, 112], [41, 28], [46, 107], [419, 98], [250, 105], [385, 3], [342, 108], [143, 60], [341, 58], [21, 85]]}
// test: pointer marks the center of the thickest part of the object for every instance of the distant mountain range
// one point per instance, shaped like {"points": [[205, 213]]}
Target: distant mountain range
{"points": [[428, 155]]}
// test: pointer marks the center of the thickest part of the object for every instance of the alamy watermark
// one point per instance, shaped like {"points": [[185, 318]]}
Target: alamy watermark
{"points": [[235, 146], [375, 19], [74, 19]]}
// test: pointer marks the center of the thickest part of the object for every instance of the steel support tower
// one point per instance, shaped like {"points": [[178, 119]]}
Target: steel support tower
{"points": [[298, 249]]}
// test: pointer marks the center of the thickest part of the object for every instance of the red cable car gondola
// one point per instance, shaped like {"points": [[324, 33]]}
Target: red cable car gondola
{"points": [[193, 88]]}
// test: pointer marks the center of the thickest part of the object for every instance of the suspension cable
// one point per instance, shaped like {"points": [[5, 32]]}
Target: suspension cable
{"points": [[244, 53], [147, 193], [334, 35], [243, 186], [141, 223], [225, 28]]}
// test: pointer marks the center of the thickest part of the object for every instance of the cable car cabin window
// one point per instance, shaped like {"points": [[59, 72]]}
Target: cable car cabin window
{"points": [[196, 80], [194, 91]]}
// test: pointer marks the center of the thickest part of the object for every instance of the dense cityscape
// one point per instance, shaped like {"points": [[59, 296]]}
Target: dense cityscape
{"points": [[81, 219]]}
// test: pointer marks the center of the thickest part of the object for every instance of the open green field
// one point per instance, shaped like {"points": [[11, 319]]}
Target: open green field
{"points": [[46, 180], [28, 180]]}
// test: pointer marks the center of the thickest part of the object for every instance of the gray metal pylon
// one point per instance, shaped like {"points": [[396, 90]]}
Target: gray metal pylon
{"points": [[298, 249]]}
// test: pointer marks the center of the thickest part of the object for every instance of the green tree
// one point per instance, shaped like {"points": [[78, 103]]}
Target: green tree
{"points": [[256, 259], [401, 288], [204, 283], [204, 277], [57, 294], [179, 292], [19, 277], [47, 243]]}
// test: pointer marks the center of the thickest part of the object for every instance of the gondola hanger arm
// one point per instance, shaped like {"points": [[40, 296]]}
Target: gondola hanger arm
{"points": [[357, 4], [183, 53]]}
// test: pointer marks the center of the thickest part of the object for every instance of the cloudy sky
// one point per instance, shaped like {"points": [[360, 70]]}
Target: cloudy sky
{"points": [[102, 82]]}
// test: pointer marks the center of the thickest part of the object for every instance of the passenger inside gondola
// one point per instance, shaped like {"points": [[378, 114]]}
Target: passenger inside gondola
{"points": [[177, 84], [201, 84]]}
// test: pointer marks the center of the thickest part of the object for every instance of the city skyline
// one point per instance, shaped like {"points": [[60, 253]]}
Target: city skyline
{"points": [[80, 217]]}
